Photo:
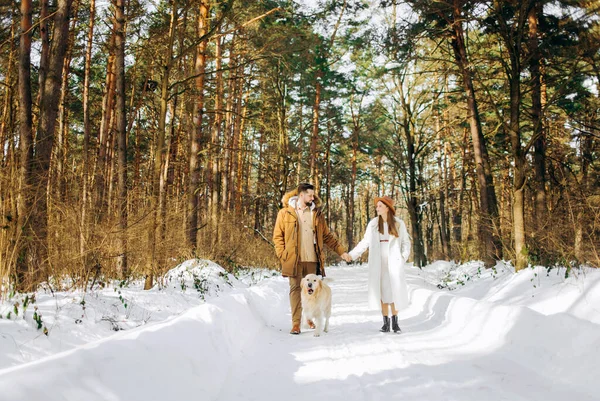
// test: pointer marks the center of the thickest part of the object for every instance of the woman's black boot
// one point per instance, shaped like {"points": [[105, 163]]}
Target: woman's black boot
{"points": [[395, 326], [386, 325]]}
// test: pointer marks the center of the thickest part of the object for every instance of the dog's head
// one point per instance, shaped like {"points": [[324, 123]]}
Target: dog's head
{"points": [[311, 284]]}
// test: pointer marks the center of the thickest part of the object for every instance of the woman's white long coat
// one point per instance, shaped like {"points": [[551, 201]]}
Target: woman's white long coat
{"points": [[398, 254]]}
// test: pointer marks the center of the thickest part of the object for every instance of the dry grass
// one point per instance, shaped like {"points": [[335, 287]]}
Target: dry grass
{"points": [[233, 245]]}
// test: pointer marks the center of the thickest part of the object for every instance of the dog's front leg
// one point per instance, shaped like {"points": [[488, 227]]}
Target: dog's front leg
{"points": [[326, 328], [318, 321]]}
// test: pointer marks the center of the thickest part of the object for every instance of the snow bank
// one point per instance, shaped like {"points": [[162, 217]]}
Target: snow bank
{"points": [[184, 356], [545, 290], [76, 318]]}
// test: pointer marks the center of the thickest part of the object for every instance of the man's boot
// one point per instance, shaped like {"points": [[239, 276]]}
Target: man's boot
{"points": [[395, 326], [386, 325]]}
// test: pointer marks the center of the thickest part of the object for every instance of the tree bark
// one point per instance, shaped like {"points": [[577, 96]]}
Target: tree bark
{"points": [[216, 133], [45, 52], [259, 185], [414, 211], [328, 172], [226, 169], [513, 72], [238, 141], [314, 137], [241, 147], [537, 118], [105, 123], [351, 207], [158, 203], [47, 125], [6, 125], [63, 115], [320, 76], [197, 134], [284, 141], [489, 224], [443, 216], [87, 129], [121, 125], [25, 251], [581, 222]]}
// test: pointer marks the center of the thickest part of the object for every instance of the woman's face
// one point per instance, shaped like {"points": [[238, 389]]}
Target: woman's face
{"points": [[382, 209]]}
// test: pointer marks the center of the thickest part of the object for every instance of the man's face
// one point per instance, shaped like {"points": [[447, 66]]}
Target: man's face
{"points": [[307, 197]]}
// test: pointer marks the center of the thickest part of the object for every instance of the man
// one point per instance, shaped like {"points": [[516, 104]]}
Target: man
{"points": [[299, 235]]}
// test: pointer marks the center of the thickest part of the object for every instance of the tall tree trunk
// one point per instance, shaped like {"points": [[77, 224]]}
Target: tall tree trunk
{"points": [[299, 170], [236, 165], [87, 129], [45, 52], [6, 125], [174, 138], [121, 133], [457, 218], [353, 175], [537, 119], [215, 148], [25, 251], [197, 135], [228, 131], [238, 199], [63, 114], [158, 182], [320, 76], [511, 35], [420, 259], [489, 224], [47, 125], [314, 137], [259, 185], [105, 123], [581, 225], [443, 195], [284, 140], [328, 172]]}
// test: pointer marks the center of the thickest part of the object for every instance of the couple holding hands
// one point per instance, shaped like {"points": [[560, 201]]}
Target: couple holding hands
{"points": [[301, 233]]}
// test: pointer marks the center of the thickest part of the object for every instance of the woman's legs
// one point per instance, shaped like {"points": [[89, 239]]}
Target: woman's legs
{"points": [[384, 309]]}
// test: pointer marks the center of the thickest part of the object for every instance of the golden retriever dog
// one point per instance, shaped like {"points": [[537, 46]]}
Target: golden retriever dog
{"points": [[316, 302]]}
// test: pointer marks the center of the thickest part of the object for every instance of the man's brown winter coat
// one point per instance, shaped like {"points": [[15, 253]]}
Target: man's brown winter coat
{"points": [[287, 240]]}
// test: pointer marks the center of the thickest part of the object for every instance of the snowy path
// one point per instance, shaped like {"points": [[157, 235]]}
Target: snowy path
{"points": [[237, 347]]}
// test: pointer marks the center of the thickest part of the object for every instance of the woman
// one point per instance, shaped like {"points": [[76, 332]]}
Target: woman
{"points": [[389, 247]]}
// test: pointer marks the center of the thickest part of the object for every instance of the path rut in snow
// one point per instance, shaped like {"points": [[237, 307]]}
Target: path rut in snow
{"points": [[451, 348]]}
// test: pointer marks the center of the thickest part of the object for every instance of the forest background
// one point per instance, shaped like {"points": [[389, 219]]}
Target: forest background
{"points": [[137, 134]]}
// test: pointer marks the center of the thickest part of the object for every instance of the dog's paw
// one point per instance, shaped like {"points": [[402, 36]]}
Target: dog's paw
{"points": [[316, 334]]}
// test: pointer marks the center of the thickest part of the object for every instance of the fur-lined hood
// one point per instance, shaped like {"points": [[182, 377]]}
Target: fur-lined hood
{"points": [[285, 201]]}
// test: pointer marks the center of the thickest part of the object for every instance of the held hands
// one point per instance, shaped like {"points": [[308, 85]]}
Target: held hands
{"points": [[346, 257]]}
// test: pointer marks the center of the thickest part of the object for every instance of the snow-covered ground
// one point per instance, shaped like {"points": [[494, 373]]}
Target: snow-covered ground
{"points": [[74, 318], [469, 334]]}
